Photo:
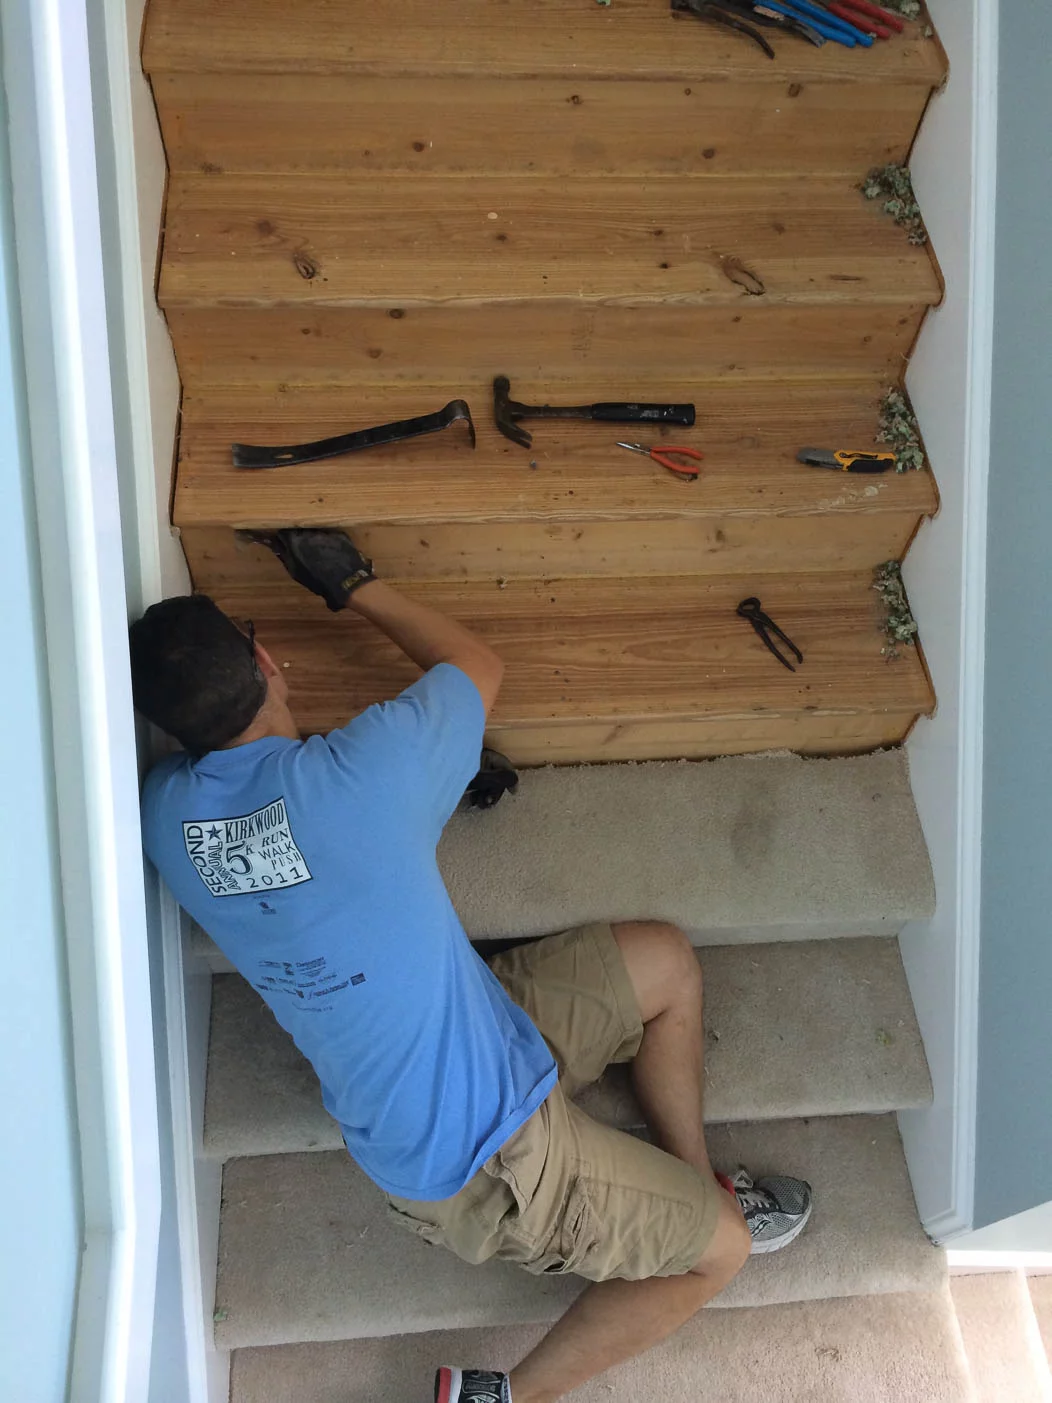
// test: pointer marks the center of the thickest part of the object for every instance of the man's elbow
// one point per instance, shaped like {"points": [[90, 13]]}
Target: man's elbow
{"points": [[486, 669]]}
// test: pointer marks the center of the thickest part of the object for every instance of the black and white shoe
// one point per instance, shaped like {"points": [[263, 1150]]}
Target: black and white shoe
{"points": [[471, 1386], [776, 1208]]}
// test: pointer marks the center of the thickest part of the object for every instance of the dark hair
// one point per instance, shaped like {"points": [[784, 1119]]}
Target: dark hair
{"points": [[194, 673]]}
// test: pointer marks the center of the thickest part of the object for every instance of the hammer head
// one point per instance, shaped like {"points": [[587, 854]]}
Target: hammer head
{"points": [[506, 411]]}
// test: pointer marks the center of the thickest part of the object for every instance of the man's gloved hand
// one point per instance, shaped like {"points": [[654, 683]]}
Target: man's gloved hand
{"points": [[327, 562], [496, 777]]}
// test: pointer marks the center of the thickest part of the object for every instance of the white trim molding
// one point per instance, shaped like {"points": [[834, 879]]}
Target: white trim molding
{"points": [[954, 168], [59, 246]]}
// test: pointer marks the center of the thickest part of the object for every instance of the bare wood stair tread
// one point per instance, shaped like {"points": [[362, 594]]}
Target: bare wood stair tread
{"points": [[325, 239], [608, 651], [526, 38], [749, 432]]}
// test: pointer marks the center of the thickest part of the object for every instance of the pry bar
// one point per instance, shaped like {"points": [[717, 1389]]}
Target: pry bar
{"points": [[247, 455]]}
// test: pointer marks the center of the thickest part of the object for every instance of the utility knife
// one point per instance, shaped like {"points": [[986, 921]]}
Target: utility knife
{"points": [[846, 461]]}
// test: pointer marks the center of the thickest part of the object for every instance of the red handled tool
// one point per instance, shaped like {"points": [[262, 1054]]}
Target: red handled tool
{"points": [[871, 19], [685, 470]]}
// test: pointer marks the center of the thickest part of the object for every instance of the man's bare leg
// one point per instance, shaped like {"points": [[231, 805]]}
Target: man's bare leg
{"points": [[668, 1072], [615, 1320]]}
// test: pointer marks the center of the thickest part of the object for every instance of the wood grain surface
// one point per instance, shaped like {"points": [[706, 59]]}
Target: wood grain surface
{"points": [[573, 504], [546, 342], [523, 38], [337, 240], [215, 122], [604, 654]]}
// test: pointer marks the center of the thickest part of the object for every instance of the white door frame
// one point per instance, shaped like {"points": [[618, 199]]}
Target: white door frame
{"points": [[63, 309], [954, 165]]}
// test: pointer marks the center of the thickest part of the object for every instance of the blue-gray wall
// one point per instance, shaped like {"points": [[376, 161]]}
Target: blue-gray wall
{"points": [[1014, 1164], [39, 1158]]}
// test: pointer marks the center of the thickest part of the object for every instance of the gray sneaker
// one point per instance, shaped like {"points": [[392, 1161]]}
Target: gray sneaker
{"points": [[776, 1208], [471, 1386]]}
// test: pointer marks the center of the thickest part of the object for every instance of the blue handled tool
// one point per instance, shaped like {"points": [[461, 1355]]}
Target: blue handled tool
{"points": [[826, 23]]}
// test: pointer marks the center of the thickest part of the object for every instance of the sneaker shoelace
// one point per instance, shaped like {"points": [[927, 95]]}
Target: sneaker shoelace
{"points": [[753, 1198], [749, 1196]]}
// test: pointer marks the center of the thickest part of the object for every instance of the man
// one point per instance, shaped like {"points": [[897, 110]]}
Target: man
{"points": [[312, 865]]}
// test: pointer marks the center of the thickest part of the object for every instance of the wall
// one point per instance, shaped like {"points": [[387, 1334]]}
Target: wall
{"points": [[1014, 1143], [39, 1169]]}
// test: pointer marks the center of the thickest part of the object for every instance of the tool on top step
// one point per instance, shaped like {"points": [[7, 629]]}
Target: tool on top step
{"points": [[767, 631], [660, 454], [852, 23], [248, 455], [870, 18], [507, 412], [848, 460]]}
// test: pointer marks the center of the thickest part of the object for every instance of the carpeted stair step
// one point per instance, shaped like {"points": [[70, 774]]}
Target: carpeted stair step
{"points": [[555, 87], [1041, 1298], [307, 1251], [623, 669], [1002, 1340], [796, 1029], [714, 847], [574, 504], [900, 1348]]}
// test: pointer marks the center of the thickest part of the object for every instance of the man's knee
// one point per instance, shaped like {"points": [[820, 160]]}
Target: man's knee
{"points": [[730, 1246], [661, 962]]}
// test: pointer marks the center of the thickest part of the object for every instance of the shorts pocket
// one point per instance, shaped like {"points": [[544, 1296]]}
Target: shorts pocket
{"points": [[573, 1239], [431, 1233]]}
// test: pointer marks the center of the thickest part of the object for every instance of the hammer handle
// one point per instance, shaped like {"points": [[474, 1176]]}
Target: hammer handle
{"points": [[625, 413]]}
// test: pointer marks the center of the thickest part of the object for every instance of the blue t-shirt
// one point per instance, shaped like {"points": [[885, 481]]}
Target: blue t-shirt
{"points": [[312, 866]]}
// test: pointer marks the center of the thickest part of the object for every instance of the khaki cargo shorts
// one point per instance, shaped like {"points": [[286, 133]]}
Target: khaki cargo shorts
{"points": [[565, 1193]]}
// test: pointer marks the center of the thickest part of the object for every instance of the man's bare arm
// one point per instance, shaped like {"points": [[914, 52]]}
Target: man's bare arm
{"points": [[328, 563], [429, 637]]}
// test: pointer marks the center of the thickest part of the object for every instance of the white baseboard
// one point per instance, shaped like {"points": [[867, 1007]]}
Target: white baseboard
{"points": [[964, 1263]]}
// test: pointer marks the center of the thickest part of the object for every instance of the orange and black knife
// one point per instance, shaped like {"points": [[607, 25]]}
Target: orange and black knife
{"points": [[846, 461]]}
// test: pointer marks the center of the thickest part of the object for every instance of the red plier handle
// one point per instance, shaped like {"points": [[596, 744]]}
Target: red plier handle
{"points": [[879, 22], [663, 456]]}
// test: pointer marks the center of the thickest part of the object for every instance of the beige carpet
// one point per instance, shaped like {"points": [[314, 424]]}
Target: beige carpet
{"points": [[1001, 1339], [306, 1252], [1041, 1297], [887, 1349], [802, 1028], [715, 847]]}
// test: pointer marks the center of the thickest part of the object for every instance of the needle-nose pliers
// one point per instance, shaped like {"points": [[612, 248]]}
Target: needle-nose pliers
{"points": [[728, 14]]}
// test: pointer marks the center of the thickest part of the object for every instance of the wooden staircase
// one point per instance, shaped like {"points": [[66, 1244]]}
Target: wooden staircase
{"points": [[375, 208]]}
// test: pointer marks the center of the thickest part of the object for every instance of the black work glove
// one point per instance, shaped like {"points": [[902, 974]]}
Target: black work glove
{"points": [[496, 777], [327, 562]]}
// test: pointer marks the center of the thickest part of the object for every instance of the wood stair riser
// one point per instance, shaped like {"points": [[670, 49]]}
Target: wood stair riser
{"points": [[512, 550], [436, 126], [560, 341], [623, 670], [573, 504]]}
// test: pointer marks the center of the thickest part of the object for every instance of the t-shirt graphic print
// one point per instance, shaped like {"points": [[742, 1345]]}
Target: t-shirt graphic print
{"points": [[251, 853]]}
